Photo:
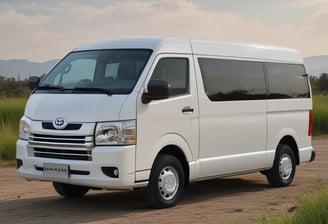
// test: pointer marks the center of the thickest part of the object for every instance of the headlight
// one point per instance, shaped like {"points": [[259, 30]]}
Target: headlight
{"points": [[116, 133], [24, 128]]}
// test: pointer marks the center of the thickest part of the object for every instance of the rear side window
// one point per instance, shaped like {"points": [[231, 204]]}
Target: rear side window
{"points": [[232, 79], [176, 72], [287, 81]]}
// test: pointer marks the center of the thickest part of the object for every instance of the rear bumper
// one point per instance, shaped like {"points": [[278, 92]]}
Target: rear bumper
{"points": [[306, 154], [313, 154]]}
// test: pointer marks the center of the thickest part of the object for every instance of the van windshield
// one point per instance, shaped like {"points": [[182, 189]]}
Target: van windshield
{"points": [[97, 71]]}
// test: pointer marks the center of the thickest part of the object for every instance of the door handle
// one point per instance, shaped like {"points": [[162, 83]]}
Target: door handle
{"points": [[188, 110]]}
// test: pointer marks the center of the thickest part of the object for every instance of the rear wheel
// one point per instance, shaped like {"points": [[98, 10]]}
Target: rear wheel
{"points": [[166, 182], [284, 167], [70, 191]]}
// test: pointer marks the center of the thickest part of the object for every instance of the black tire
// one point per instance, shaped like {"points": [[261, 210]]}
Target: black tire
{"points": [[264, 172], [70, 191], [283, 171], [166, 182]]}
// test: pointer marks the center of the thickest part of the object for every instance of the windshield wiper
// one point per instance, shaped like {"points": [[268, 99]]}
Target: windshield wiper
{"points": [[45, 87], [90, 89]]}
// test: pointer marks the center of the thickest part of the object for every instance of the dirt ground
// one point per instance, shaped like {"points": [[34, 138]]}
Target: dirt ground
{"points": [[242, 198]]}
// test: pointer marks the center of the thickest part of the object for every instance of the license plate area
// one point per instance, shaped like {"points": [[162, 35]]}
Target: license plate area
{"points": [[54, 170]]}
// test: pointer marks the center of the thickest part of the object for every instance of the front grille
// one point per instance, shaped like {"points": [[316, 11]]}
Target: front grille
{"points": [[50, 126], [63, 154], [61, 142], [62, 147], [76, 172]]}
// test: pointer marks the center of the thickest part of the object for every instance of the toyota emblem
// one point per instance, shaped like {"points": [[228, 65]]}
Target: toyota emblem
{"points": [[60, 123]]}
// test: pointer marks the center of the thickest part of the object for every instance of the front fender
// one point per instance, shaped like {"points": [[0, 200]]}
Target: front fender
{"points": [[172, 139], [165, 140]]}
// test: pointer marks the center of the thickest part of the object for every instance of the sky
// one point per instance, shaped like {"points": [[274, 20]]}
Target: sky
{"points": [[40, 30]]}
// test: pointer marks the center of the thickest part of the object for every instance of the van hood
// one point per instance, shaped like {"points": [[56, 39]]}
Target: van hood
{"points": [[75, 107]]}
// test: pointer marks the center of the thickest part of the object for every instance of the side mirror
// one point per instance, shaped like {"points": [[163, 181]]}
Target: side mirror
{"points": [[33, 82], [157, 90]]}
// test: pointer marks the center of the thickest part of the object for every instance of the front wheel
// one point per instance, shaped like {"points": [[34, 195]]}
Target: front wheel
{"points": [[284, 167], [70, 191], [166, 182]]}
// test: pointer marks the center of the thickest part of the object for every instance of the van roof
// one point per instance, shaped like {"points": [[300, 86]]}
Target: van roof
{"points": [[200, 47]]}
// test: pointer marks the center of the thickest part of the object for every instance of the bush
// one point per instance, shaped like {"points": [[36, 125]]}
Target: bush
{"points": [[320, 115], [12, 88], [11, 110], [311, 208], [323, 82]]}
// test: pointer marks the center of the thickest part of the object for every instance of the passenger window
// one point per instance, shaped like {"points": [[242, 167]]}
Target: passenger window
{"points": [[287, 81], [111, 70], [226, 80], [176, 72]]}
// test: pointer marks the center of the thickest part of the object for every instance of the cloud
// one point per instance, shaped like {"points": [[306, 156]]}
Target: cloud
{"points": [[49, 30], [305, 3], [319, 16], [321, 13]]}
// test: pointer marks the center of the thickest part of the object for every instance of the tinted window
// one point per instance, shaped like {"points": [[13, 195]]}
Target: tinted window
{"points": [[232, 79], [287, 81], [176, 72]]}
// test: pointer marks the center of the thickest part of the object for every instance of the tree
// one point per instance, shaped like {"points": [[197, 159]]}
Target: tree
{"points": [[323, 82], [314, 84], [9, 87]]}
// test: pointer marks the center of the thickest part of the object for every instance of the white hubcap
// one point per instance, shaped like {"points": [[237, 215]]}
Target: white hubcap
{"points": [[285, 166], [168, 182]]}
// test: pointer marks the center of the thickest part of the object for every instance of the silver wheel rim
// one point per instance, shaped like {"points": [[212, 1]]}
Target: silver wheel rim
{"points": [[285, 167], [168, 182]]}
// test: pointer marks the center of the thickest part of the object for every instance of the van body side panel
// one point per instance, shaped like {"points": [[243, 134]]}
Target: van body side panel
{"points": [[246, 51], [232, 134], [161, 123], [289, 117], [232, 137]]}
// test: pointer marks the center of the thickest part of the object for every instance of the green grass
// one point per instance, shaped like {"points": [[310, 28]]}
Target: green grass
{"points": [[11, 110], [320, 115], [311, 208]]}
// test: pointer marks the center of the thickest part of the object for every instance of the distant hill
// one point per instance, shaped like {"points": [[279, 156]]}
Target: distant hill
{"points": [[315, 65], [23, 68]]}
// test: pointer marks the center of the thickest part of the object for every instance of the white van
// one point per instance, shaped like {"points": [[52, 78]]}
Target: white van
{"points": [[162, 112]]}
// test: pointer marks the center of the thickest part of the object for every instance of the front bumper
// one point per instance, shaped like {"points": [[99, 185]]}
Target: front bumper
{"points": [[86, 173]]}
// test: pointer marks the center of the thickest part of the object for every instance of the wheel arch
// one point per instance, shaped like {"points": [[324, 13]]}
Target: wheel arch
{"points": [[179, 154], [291, 142], [175, 145]]}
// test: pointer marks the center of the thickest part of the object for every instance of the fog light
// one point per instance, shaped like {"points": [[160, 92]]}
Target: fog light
{"points": [[110, 171], [115, 172], [19, 163]]}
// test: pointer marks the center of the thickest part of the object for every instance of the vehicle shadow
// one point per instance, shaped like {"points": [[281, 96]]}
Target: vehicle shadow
{"points": [[114, 205], [207, 189]]}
